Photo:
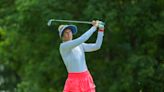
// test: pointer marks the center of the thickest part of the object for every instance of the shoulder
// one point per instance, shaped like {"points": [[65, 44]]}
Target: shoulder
{"points": [[82, 46], [62, 45]]}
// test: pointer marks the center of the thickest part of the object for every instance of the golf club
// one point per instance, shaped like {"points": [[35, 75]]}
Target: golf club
{"points": [[70, 21]]}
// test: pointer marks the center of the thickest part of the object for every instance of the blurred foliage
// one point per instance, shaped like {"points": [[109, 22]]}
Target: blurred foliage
{"points": [[130, 60]]}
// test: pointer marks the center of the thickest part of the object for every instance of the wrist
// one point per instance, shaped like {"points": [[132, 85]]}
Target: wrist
{"points": [[95, 26]]}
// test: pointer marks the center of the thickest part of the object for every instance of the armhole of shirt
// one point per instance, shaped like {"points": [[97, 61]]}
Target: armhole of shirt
{"points": [[82, 47]]}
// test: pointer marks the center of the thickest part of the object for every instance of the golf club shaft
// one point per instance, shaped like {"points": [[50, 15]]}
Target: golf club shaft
{"points": [[72, 21]]}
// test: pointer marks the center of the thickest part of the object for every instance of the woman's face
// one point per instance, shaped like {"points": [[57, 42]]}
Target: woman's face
{"points": [[67, 35]]}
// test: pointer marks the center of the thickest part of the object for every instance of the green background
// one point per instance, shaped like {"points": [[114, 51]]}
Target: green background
{"points": [[131, 58]]}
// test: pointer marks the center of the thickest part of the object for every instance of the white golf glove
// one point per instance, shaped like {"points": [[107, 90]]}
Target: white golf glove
{"points": [[101, 25]]}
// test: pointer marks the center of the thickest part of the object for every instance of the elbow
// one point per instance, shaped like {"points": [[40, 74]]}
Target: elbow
{"points": [[97, 47]]}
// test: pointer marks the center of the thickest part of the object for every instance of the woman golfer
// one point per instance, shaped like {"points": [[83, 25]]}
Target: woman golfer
{"points": [[72, 52]]}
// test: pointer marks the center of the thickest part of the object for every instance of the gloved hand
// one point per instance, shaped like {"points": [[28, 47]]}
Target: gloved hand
{"points": [[101, 25]]}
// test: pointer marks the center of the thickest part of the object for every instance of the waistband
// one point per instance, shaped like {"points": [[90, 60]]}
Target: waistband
{"points": [[79, 74]]}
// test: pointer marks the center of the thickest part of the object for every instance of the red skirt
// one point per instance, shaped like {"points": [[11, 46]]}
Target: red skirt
{"points": [[79, 82]]}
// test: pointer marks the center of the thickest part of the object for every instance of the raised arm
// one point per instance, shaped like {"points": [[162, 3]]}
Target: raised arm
{"points": [[89, 47], [73, 43]]}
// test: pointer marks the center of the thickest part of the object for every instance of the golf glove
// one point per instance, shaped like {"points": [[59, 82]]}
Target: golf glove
{"points": [[101, 25]]}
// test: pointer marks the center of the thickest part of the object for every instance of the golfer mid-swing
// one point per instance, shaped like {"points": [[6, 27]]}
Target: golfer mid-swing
{"points": [[72, 52]]}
